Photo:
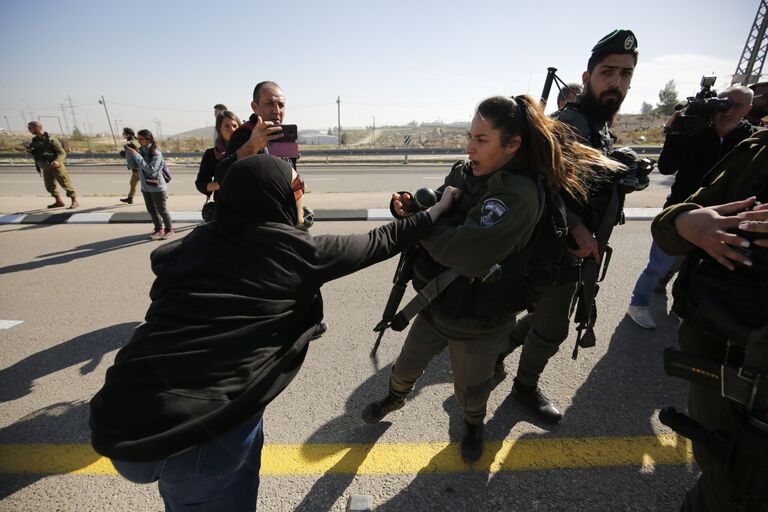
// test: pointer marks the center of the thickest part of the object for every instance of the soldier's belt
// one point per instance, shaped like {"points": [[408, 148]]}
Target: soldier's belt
{"points": [[738, 384]]}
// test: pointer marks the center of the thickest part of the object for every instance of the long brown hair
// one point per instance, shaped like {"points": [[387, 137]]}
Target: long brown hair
{"points": [[224, 115], [551, 146], [151, 138]]}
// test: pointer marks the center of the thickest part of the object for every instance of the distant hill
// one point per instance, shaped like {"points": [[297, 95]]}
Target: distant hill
{"points": [[197, 133]]}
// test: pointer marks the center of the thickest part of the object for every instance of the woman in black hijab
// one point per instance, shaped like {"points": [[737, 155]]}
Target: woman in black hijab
{"points": [[233, 308]]}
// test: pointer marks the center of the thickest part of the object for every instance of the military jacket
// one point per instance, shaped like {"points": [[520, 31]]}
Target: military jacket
{"points": [[598, 137], [46, 150]]}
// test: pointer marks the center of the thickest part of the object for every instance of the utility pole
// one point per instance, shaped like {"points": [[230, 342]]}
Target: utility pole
{"points": [[158, 130], [64, 114], [109, 123], [72, 109], [24, 118], [6, 122], [373, 131], [338, 109]]}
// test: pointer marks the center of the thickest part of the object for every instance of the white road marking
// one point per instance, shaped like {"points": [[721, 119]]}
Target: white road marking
{"points": [[7, 324]]}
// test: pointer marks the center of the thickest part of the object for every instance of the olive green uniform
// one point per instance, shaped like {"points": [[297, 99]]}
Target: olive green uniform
{"points": [[542, 332], [743, 174], [46, 150], [494, 218], [133, 183]]}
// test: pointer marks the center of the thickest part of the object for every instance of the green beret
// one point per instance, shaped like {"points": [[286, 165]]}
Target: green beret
{"points": [[618, 41]]}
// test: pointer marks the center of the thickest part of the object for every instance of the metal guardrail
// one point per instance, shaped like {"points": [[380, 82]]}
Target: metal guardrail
{"points": [[640, 150]]}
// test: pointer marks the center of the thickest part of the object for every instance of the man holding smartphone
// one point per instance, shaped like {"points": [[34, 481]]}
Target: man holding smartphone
{"points": [[254, 136], [262, 127]]}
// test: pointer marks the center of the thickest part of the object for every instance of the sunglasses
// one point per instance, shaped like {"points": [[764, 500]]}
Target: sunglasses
{"points": [[297, 186]]}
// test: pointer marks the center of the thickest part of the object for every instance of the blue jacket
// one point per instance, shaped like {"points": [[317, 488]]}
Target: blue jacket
{"points": [[150, 167]]}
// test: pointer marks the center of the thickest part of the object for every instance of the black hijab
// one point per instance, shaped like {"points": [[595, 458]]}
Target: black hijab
{"points": [[257, 189]]}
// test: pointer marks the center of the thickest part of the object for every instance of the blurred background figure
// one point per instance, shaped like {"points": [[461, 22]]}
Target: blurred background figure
{"points": [[154, 186], [226, 124], [130, 137]]}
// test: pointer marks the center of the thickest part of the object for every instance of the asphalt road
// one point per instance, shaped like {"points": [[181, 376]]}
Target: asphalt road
{"points": [[81, 289], [113, 180]]}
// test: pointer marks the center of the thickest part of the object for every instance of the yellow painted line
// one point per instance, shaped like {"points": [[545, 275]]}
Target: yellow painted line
{"points": [[390, 458]]}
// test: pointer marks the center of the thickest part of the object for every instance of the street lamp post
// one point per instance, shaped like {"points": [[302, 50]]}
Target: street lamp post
{"points": [[109, 123]]}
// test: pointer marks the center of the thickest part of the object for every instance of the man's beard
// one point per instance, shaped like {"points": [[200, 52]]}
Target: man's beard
{"points": [[602, 109]]}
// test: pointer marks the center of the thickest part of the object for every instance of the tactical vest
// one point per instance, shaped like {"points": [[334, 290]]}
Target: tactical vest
{"points": [[518, 280]]}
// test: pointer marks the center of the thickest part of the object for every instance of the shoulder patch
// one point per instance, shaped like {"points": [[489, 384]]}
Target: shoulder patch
{"points": [[491, 212]]}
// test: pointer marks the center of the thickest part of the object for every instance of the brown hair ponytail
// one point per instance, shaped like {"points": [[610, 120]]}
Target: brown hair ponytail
{"points": [[551, 146]]}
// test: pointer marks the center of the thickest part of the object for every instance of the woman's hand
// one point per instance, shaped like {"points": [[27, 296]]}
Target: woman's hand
{"points": [[707, 228], [450, 196], [131, 150]]}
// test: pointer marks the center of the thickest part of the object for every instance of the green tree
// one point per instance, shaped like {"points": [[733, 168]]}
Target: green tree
{"points": [[667, 99], [77, 134], [344, 138], [646, 108], [330, 131]]}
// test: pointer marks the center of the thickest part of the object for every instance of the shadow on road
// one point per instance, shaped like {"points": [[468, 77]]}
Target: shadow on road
{"points": [[348, 429], [60, 423], [620, 397], [87, 350], [83, 251]]}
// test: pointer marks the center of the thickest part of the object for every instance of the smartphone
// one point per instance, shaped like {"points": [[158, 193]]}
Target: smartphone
{"points": [[290, 133]]}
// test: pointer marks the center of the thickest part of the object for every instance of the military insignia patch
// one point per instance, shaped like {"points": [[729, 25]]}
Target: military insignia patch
{"points": [[491, 212], [629, 43]]}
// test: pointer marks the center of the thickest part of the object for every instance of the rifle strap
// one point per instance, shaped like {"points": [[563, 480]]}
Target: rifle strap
{"points": [[427, 295]]}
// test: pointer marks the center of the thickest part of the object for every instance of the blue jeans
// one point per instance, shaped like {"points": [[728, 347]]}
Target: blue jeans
{"points": [[659, 264], [220, 475]]}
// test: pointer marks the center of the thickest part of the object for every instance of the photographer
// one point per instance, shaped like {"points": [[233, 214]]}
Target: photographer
{"points": [[49, 158], [722, 297], [132, 142], [689, 156], [253, 136]]}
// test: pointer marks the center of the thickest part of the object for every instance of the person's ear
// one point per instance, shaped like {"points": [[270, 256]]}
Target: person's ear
{"points": [[585, 78], [254, 106], [513, 145]]}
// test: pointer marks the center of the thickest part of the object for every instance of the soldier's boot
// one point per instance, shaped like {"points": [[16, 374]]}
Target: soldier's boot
{"points": [[472, 443], [374, 412], [534, 400], [57, 204]]}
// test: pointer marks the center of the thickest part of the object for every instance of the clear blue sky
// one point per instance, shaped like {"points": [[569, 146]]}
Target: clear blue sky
{"points": [[171, 61]]}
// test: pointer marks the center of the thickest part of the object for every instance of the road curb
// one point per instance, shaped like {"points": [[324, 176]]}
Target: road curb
{"points": [[369, 214]]}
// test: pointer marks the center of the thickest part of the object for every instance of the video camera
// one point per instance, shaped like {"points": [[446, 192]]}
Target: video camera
{"points": [[635, 178], [696, 113]]}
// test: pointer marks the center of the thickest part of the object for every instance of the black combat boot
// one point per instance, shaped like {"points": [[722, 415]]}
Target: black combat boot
{"points": [[472, 443], [534, 400], [375, 411]]}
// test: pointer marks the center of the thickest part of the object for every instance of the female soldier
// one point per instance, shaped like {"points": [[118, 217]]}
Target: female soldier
{"points": [[233, 308], [512, 146]]}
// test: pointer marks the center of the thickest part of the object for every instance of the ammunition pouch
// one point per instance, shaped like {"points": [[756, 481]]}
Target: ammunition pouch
{"points": [[733, 304]]}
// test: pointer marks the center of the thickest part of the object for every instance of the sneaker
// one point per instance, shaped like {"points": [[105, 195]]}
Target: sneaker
{"points": [[641, 315], [534, 400], [472, 442], [374, 412], [128, 200], [157, 235], [168, 233]]}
